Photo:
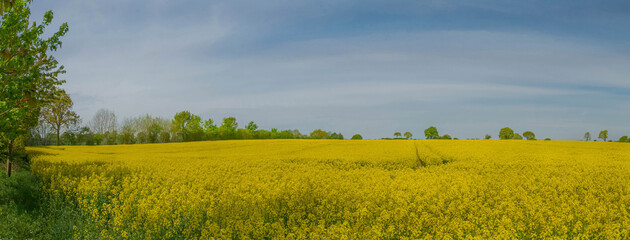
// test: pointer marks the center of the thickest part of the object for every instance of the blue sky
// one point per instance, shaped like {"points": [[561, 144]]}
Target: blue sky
{"points": [[557, 68]]}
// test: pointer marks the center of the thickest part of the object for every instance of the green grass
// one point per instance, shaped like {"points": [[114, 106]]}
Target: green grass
{"points": [[27, 212]]}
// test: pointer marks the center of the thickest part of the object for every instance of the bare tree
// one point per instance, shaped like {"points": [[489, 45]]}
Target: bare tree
{"points": [[103, 121], [587, 136]]}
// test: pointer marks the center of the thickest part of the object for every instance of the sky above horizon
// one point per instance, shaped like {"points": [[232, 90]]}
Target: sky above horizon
{"points": [[557, 68]]}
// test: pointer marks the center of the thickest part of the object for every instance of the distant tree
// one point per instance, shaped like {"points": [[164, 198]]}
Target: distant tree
{"points": [[274, 133], [242, 133], [529, 135], [517, 136], [587, 136], [228, 128], [59, 114], [603, 135], [127, 132], [431, 133], [85, 136], [487, 136], [319, 134], [357, 137], [446, 136], [397, 134], [547, 139], [187, 126], [252, 127], [262, 134], [623, 139], [165, 137], [408, 135], [286, 134], [210, 129], [297, 134], [334, 135], [103, 121], [506, 133]]}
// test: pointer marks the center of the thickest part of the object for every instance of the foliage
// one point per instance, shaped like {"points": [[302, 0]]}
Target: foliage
{"points": [[59, 114], [319, 134], [603, 135], [326, 189], [27, 212], [28, 71], [408, 135], [587, 136], [506, 133], [397, 135], [228, 128], [529, 135], [517, 136], [357, 137], [431, 133], [623, 139], [488, 136]]}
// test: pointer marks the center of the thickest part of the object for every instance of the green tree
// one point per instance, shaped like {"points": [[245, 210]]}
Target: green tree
{"points": [[517, 136], [187, 126], [127, 132], [408, 135], [623, 139], [529, 135], [603, 135], [397, 134], [28, 71], [488, 136], [252, 127], [228, 128], [242, 133], [587, 136], [357, 137], [506, 133], [59, 114], [5, 5], [431, 133], [286, 134], [446, 136], [319, 134], [210, 129]]}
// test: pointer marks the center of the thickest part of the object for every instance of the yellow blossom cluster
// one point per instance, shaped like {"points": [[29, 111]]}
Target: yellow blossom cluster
{"points": [[342, 189]]}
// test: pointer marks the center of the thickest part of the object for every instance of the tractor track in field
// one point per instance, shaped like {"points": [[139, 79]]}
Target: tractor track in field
{"points": [[419, 162]]}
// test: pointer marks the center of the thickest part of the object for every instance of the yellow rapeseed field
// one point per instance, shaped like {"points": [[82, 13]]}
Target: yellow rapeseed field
{"points": [[343, 189]]}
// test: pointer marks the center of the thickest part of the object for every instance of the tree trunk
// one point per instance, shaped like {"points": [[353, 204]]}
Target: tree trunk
{"points": [[9, 158], [58, 138]]}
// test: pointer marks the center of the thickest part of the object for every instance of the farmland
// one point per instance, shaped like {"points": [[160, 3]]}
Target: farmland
{"points": [[343, 189]]}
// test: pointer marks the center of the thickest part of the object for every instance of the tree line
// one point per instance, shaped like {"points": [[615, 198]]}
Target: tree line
{"points": [[59, 125]]}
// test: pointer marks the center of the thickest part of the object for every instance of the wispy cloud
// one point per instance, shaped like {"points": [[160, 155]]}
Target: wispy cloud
{"points": [[368, 67]]}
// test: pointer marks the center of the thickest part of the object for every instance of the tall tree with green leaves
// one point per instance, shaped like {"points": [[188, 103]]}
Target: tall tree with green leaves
{"points": [[506, 133], [228, 128], [408, 135], [397, 134], [28, 71], [252, 127], [529, 135], [431, 133], [187, 126], [587, 136], [59, 114], [603, 135]]}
